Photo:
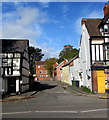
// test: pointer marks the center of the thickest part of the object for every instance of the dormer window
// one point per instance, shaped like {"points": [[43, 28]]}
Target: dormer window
{"points": [[105, 28]]}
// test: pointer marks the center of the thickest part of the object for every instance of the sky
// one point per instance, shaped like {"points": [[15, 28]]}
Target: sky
{"points": [[48, 25]]}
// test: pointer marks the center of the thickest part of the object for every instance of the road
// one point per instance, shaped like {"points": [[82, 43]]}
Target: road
{"points": [[56, 102]]}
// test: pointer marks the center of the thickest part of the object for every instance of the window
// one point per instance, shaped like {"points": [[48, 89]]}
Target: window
{"points": [[45, 71], [40, 71], [9, 62], [46, 75], [16, 68], [105, 28], [4, 55], [5, 62], [60, 68], [10, 55], [107, 52], [17, 55], [10, 72], [41, 75], [38, 66], [16, 62]]}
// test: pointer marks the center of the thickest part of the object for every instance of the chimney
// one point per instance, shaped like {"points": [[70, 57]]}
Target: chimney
{"points": [[83, 21], [106, 9]]}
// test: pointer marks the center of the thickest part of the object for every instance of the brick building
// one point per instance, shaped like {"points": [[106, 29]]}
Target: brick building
{"points": [[41, 71], [58, 70]]}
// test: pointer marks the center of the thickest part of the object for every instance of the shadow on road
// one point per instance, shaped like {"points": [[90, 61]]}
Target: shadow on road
{"points": [[37, 86]]}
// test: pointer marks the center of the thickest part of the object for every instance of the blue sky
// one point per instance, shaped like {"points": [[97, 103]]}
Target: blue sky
{"points": [[48, 25]]}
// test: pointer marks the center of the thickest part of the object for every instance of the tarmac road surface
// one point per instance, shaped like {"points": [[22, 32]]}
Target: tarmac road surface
{"points": [[55, 101]]}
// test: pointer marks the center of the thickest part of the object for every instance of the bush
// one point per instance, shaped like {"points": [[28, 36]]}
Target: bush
{"points": [[84, 88]]}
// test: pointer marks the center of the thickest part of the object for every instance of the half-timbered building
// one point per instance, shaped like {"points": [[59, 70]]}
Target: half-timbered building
{"points": [[15, 66], [95, 40]]}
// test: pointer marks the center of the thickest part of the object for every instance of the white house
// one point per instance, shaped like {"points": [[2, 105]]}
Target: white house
{"points": [[70, 72], [75, 72], [94, 52], [15, 66]]}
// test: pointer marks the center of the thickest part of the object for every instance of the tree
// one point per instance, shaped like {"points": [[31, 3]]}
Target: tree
{"points": [[49, 65], [68, 52], [35, 55]]}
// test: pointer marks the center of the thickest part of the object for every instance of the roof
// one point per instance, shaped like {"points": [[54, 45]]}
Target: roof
{"points": [[92, 26], [70, 61], [13, 45], [40, 62], [59, 64], [104, 20]]}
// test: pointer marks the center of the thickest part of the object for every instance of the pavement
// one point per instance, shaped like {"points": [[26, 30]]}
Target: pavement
{"points": [[78, 91], [26, 95]]}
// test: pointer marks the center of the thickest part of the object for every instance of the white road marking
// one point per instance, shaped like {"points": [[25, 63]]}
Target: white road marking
{"points": [[56, 111], [16, 112], [94, 110]]}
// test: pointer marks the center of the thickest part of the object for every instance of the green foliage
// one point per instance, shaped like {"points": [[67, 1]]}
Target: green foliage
{"points": [[49, 65], [84, 88], [68, 52], [35, 55]]}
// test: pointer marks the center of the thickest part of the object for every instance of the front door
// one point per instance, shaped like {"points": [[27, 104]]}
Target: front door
{"points": [[12, 85], [101, 81]]}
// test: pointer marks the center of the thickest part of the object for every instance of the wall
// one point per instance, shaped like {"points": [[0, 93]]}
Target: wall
{"points": [[74, 71], [84, 56], [66, 75], [44, 75], [59, 70], [94, 81]]}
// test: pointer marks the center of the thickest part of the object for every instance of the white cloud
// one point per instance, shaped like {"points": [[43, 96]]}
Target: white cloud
{"points": [[50, 53], [23, 23], [26, 23]]}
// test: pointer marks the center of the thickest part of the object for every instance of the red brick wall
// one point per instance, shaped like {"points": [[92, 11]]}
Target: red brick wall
{"points": [[43, 75], [58, 71], [94, 81]]}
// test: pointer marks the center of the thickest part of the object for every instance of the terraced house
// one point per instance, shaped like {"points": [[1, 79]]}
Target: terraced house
{"points": [[15, 66], [94, 67]]}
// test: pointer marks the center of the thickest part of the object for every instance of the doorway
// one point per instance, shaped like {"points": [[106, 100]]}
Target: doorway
{"points": [[12, 85]]}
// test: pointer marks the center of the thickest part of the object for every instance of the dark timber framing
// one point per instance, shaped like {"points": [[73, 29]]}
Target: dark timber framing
{"points": [[19, 64], [104, 52]]}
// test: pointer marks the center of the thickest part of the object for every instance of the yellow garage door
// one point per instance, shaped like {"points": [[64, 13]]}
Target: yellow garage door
{"points": [[101, 81]]}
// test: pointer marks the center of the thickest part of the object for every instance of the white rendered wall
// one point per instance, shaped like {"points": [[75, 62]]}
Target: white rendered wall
{"points": [[84, 56], [74, 72]]}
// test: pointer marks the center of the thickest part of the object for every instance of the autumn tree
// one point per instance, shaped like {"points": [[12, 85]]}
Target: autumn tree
{"points": [[35, 55], [68, 52], [49, 65]]}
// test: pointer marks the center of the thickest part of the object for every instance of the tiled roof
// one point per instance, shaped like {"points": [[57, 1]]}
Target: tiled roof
{"points": [[40, 62], [70, 61], [13, 45], [92, 26], [104, 20]]}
